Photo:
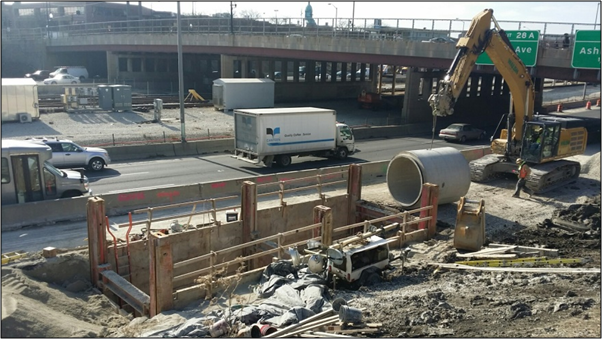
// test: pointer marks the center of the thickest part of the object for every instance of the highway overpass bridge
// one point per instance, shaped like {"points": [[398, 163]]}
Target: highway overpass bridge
{"points": [[139, 53]]}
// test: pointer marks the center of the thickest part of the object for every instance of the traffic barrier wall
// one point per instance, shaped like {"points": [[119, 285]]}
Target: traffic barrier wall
{"points": [[43, 212], [215, 146], [117, 203], [137, 152], [185, 149], [376, 170]]}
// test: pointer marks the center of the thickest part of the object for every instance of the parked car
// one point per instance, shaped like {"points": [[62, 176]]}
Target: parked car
{"points": [[358, 73], [341, 72], [67, 154], [441, 40], [61, 79], [79, 72], [38, 75], [461, 133]]}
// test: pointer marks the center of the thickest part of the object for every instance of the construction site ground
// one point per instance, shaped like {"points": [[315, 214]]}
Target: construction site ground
{"points": [[54, 297]]}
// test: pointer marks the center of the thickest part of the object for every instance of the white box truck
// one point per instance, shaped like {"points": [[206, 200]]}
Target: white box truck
{"points": [[229, 94], [276, 134], [20, 100]]}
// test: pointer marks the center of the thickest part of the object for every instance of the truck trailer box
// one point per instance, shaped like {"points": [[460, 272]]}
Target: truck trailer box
{"points": [[273, 131], [230, 94], [19, 100]]}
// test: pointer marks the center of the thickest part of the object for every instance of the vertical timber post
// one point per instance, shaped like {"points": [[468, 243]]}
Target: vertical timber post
{"points": [[160, 272], [248, 214], [434, 197], [354, 191], [323, 214], [426, 200], [97, 237]]}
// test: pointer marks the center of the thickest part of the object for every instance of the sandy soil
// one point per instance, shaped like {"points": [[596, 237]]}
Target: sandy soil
{"points": [[54, 298]]}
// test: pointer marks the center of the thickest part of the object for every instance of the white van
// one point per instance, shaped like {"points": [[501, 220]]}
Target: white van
{"points": [[27, 175], [77, 71]]}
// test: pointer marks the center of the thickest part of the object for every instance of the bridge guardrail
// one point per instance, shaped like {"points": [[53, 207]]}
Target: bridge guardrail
{"points": [[356, 28]]}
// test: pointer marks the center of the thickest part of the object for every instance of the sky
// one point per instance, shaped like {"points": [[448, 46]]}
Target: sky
{"points": [[566, 12]]}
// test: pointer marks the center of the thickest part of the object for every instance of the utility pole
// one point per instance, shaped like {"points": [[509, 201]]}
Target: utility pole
{"points": [[596, 19], [353, 16], [181, 79], [232, 6]]}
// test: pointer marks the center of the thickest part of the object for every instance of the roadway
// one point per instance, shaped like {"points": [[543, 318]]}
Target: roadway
{"points": [[141, 175]]}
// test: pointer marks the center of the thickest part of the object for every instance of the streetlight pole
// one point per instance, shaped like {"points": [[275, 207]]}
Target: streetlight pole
{"points": [[232, 6], [336, 16], [276, 13], [353, 16], [596, 19], [181, 79]]}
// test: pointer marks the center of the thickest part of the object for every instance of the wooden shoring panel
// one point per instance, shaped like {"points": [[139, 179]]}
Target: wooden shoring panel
{"points": [[161, 273], [97, 239]]}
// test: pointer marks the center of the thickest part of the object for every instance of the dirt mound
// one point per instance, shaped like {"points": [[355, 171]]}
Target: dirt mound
{"points": [[54, 298]]}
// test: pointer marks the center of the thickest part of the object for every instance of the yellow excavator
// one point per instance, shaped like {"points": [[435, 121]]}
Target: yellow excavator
{"points": [[540, 141]]}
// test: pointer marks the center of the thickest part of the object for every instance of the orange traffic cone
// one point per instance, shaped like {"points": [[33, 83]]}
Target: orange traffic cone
{"points": [[559, 108], [588, 105], [598, 103]]}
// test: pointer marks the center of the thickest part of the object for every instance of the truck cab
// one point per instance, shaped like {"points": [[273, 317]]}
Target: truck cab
{"points": [[345, 138]]}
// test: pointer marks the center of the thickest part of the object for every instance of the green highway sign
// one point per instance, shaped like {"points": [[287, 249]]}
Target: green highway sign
{"points": [[586, 50], [525, 44]]}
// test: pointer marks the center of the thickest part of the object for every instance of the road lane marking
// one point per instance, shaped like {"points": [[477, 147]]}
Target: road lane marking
{"points": [[118, 175], [137, 189]]}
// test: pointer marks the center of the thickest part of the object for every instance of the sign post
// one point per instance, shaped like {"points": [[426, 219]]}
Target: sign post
{"points": [[525, 44], [586, 50]]}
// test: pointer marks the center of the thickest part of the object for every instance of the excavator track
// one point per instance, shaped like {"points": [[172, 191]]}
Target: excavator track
{"points": [[543, 178], [549, 176], [481, 170]]}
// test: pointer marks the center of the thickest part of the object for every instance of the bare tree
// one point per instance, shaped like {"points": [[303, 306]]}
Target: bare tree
{"points": [[249, 14]]}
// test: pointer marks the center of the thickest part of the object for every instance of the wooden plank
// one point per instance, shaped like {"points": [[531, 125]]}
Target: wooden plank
{"points": [[504, 249], [487, 256], [520, 269], [129, 293], [542, 251]]}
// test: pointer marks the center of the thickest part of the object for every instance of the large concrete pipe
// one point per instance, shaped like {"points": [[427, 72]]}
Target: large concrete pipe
{"points": [[445, 167]]}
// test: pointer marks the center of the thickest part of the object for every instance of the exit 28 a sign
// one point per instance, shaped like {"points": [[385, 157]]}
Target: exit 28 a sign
{"points": [[525, 44]]}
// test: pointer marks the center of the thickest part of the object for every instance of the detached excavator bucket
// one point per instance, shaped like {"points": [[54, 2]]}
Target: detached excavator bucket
{"points": [[469, 233]]}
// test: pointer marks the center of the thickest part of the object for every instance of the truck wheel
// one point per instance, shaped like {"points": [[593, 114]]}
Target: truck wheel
{"points": [[463, 139], [96, 164], [342, 153], [284, 160]]}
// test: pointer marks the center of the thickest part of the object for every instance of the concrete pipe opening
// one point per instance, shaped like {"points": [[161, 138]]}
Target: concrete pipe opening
{"points": [[445, 167]]}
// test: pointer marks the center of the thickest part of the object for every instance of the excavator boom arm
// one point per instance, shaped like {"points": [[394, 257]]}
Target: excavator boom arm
{"points": [[481, 38]]}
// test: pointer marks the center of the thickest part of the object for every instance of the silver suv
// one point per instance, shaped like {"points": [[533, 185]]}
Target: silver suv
{"points": [[67, 154]]}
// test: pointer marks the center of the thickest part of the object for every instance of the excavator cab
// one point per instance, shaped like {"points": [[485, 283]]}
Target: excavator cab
{"points": [[547, 140], [540, 141]]}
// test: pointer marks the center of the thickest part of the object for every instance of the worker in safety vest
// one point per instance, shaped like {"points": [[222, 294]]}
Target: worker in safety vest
{"points": [[523, 173]]}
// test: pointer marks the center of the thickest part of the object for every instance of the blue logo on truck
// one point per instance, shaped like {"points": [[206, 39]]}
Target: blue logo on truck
{"points": [[272, 132]]}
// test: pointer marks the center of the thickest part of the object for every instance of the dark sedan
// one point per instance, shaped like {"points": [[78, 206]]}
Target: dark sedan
{"points": [[461, 133], [39, 75]]}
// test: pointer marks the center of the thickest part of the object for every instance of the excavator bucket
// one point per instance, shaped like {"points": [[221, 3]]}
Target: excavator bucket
{"points": [[469, 233]]}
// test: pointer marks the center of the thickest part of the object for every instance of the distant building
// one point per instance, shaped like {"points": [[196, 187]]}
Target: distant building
{"points": [[39, 14], [309, 16]]}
